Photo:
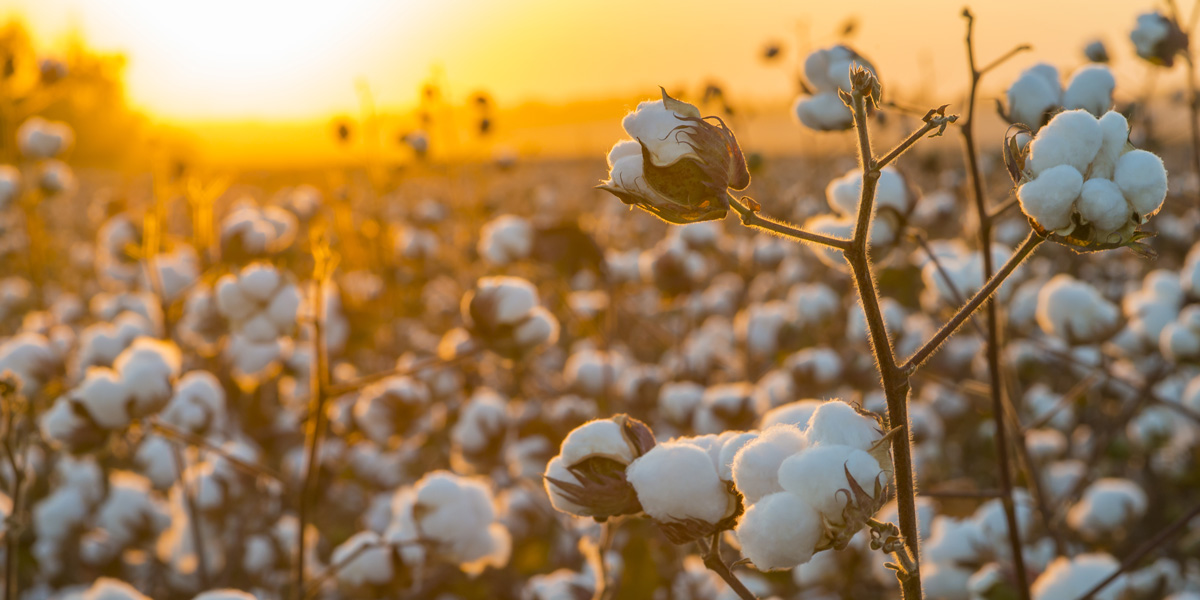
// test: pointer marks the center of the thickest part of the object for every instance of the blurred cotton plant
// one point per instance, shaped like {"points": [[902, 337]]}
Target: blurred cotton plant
{"points": [[1159, 39]]}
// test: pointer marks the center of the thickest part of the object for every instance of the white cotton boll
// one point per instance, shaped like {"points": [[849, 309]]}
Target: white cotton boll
{"points": [[592, 372], [1108, 506], [1102, 204], [10, 185], [1151, 29], [1143, 179], [838, 423], [676, 481], [1075, 311], [824, 111], [816, 69], [759, 326], [1115, 136], [952, 541], [814, 303], [506, 239], [832, 226], [820, 366], [1075, 576], [107, 588], [539, 328], [155, 459], [654, 125], [756, 465], [284, 308], [458, 516], [259, 282], [1072, 138], [231, 301], [372, 562], [1090, 88], [148, 370], [727, 406], [198, 403], [252, 362], [130, 510], [61, 423], [818, 473], [1050, 198], [623, 149], [844, 193], [1045, 444], [40, 139], [1034, 92], [926, 510], [733, 442], [602, 437], [993, 524], [105, 396], [514, 297], [481, 420], [678, 400], [1179, 343], [779, 532], [556, 469]]}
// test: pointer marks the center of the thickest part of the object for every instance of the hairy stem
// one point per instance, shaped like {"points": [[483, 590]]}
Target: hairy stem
{"points": [[752, 218], [895, 379], [712, 559]]}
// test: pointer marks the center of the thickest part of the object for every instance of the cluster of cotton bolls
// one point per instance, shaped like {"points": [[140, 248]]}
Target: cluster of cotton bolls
{"points": [[1037, 93], [44, 142], [828, 71], [261, 306], [1080, 179], [249, 231]]}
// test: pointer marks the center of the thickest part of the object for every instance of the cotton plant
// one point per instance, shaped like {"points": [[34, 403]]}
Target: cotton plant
{"points": [[261, 306], [1079, 182], [504, 314], [1038, 94], [1158, 39], [1074, 311], [826, 72]]}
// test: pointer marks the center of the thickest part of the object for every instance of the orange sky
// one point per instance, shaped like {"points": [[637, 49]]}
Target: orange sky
{"points": [[288, 59]]}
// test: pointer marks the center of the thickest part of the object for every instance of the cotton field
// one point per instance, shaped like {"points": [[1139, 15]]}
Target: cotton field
{"points": [[952, 351]]}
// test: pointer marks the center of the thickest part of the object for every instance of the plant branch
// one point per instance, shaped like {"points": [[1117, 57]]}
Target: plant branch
{"points": [[1163, 536], [752, 218], [178, 435], [712, 559], [197, 530]]}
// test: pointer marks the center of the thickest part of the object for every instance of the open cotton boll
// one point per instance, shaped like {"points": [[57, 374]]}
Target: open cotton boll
{"points": [[1072, 138], [1102, 204], [1114, 137], [823, 111], [592, 372], [1049, 199], [148, 370], [10, 185], [1075, 311], [1075, 576], [1034, 92], [1143, 179], [130, 511], [838, 423], [105, 396], [844, 193], [1151, 29], [1090, 88], [623, 149], [727, 406], [259, 282], [654, 125], [678, 400], [992, 524], [952, 541], [506, 239], [779, 532], [602, 437], [198, 403], [756, 465], [364, 560], [816, 69], [819, 473], [677, 481], [482, 420], [732, 443], [1108, 506], [1178, 342], [509, 298], [1060, 477], [457, 515]]}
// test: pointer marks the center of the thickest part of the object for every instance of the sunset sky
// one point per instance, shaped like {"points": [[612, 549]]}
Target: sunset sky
{"points": [[293, 59]]}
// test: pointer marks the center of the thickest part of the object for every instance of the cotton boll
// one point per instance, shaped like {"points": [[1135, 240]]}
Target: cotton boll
{"points": [[458, 516], [1045, 444], [148, 369], [816, 69], [727, 406], [1034, 92], [1102, 204], [677, 481], [952, 541], [678, 400], [779, 532], [1073, 577], [1143, 179], [756, 465], [623, 149], [105, 397], [653, 125], [945, 581], [732, 443], [838, 423], [1091, 89], [602, 437], [1179, 343], [1151, 29], [107, 588], [1075, 311], [130, 511], [1072, 138], [824, 111], [10, 185], [1115, 135], [818, 474], [1050, 197], [1108, 506], [593, 372], [371, 563], [198, 403], [508, 238], [992, 523]]}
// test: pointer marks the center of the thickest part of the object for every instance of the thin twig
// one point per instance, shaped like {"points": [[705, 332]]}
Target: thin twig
{"points": [[430, 362], [753, 218], [179, 435], [1165, 534], [189, 500]]}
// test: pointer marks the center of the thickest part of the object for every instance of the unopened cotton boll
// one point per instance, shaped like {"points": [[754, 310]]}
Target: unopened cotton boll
{"points": [[756, 465], [505, 239], [1143, 179], [1075, 576], [1091, 89], [1072, 138], [1075, 311], [779, 532], [677, 481], [819, 474], [1050, 197], [1034, 92]]}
